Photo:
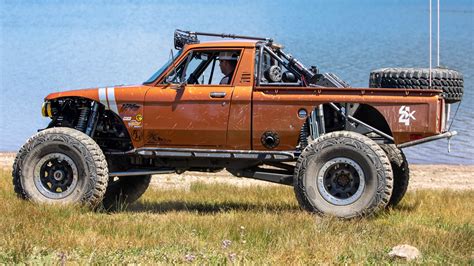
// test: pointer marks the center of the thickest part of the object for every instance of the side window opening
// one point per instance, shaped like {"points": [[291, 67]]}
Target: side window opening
{"points": [[206, 68], [273, 72], [211, 74]]}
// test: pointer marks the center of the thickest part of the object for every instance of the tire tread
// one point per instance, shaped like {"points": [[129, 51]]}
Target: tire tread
{"points": [[90, 149], [401, 173], [383, 193], [451, 82]]}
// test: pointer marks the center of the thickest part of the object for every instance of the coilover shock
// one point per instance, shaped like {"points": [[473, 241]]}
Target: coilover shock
{"points": [[304, 135], [82, 120]]}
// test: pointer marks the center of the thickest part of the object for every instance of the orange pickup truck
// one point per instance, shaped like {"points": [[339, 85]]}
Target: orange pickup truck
{"points": [[246, 106]]}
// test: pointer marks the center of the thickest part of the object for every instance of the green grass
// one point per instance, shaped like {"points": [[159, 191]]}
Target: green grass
{"points": [[261, 224]]}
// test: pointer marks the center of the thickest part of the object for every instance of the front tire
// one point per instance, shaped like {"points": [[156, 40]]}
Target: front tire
{"points": [[344, 174], [61, 165]]}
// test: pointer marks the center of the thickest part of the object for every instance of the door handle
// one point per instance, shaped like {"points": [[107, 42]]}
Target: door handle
{"points": [[217, 94]]}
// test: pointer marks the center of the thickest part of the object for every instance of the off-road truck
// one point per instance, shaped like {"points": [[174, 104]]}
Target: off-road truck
{"points": [[275, 120]]}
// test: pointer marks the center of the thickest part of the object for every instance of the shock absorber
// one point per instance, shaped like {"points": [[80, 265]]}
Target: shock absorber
{"points": [[82, 120], [304, 136], [92, 123]]}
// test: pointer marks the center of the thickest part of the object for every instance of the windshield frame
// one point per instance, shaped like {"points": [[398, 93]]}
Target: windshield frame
{"points": [[161, 70]]}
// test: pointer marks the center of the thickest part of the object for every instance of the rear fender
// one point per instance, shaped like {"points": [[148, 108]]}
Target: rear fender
{"points": [[412, 120], [402, 121], [334, 121], [409, 114], [372, 116]]}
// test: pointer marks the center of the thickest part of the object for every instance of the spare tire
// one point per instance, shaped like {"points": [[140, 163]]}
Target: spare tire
{"points": [[450, 81]]}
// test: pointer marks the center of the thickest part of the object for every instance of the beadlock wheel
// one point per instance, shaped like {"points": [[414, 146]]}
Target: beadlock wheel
{"points": [[341, 181], [61, 165], [343, 174], [56, 175]]}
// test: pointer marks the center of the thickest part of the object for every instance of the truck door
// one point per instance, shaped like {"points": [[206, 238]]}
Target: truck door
{"points": [[190, 108]]}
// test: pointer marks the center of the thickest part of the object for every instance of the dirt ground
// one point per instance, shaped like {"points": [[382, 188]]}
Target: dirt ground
{"points": [[456, 177]]}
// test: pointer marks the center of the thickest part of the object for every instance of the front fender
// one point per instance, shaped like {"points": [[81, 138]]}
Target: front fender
{"points": [[91, 94], [126, 102], [105, 96], [112, 98]]}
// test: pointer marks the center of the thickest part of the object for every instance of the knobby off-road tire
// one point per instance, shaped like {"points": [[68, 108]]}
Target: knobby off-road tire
{"points": [[125, 190], [61, 165], [401, 173], [451, 82], [344, 174]]}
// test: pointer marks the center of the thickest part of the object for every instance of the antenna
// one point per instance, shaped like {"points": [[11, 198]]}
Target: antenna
{"points": [[437, 38], [431, 34]]}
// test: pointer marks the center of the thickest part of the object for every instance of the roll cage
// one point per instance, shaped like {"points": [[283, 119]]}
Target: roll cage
{"points": [[265, 47]]}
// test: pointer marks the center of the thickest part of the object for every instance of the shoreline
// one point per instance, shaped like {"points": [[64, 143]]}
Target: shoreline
{"points": [[422, 176]]}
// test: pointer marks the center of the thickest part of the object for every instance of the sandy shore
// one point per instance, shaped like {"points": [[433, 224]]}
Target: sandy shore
{"points": [[456, 177]]}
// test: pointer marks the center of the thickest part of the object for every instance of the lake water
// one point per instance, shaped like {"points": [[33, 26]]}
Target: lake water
{"points": [[59, 45]]}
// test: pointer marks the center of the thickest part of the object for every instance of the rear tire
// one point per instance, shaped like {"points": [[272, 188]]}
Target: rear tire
{"points": [[401, 173], [61, 165], [124, 191], [344, 174], [451, 82]]}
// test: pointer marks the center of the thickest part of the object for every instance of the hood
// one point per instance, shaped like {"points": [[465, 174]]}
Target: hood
{"points": [[111, 97], [91, 93]]}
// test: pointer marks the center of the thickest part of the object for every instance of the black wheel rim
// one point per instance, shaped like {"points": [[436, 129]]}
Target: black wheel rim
{"points": [[56, 175], [341, 181]]}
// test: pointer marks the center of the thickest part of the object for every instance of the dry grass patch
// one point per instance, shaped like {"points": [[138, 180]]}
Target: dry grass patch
{"points": [[222, 224]]}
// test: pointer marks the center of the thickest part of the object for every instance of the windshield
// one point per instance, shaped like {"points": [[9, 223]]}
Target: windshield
{"points": [[162, 69]]}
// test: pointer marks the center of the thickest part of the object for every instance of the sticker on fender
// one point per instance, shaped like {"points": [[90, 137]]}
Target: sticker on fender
{"points": [[406, 115]]}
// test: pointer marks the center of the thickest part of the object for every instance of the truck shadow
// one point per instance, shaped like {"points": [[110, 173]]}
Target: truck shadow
{"points": [[206, 208], [406, 206], [222, 207]]}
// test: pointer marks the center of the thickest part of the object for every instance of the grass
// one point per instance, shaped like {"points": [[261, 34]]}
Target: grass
{"points": [[219, 224]]}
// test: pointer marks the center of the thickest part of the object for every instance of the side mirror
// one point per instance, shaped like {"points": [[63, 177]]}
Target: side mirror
{"points": [[169, 80]]}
